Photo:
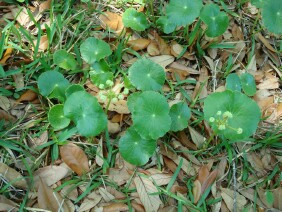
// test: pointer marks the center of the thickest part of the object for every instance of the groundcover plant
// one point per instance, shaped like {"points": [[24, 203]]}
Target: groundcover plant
{"points": [[140, 105]]}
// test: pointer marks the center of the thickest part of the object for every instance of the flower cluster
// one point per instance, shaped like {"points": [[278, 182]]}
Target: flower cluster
{"points": [[110, 94], [221, 121]]}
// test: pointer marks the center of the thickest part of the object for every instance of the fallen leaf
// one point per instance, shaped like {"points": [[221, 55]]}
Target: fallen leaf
{"points": [[112, 21], [12, 176], [277, 193], [117, 206], [119, 176], [49, 199], [153, 49], [197, 138], [138, 44], [19, 80], [265, 42], [197, 187], [90, 201], [43, 43], [28, 96], [228, 197], [7, 205], [107, 196], [6, 56], [42, 139], [271, 83], [75, 158], [120, 107], [99, 158], [144, 188], [161, 179], [209, 181], [5, 103], [113, 127], [45, 6], [256, 163], [163, 46], [162, 60], [50, 174], [203, 174]]}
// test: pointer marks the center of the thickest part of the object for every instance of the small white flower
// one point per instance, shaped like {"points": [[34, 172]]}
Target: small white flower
{"points": [[212, 119], [101, 86], [221, 127], [125, 91], [218, 113], [227, 114], [109, 83], [239, 131], [103, 97], [114, 99], [120, 97]]}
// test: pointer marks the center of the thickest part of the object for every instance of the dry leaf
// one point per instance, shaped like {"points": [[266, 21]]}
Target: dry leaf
{"points": [[107, 196], [29, 96], [49, 199], [12, 176], [228, 197], [203, 173], [163, 60], [197, 138], [144, 188], [197, 190], [265, 42], [117, 206], [112, 21], [256, 163], [6, 56], [138, 44], [160, 179], [90, 201], [113, 127], [99, 158], [209, 181], [120, 107], [119, 176], [43, 43], [42, 139], [50, 174], [153, 49], [7, 205], [75, 158], [5, 103], [163, 46], [45, 6], [19, 80], [277, 193]]}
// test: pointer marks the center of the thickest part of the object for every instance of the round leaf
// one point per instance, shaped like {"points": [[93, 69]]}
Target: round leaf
{"points": [[145, 75], [86, 112], [73, 88], [54, 83], [166, 25], [135, 149], [93, 50], [258, 3], [216, 20], [245, 113], [248, 84], [151, 115], [183, 12], [180, 114], [272, 16], [135, 20], [64, 60], [233, 82], [56, 117], [101, 78]]}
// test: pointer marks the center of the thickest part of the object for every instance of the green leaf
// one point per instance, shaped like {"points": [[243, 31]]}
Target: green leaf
{"points": [[135, 149], [93, 50], [2, 72], [145, 75], [101, 78], [269, 197], [150, 115], [131, 100], [73, 88], [272, 16], [245, 114], [233, 82], [64, 60], [52, 83], [86, 112], [166, 25], [135, 20], [179, 113], [56, 117], [183, 12], [216, 20], [258, 3], [248, 84]]}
